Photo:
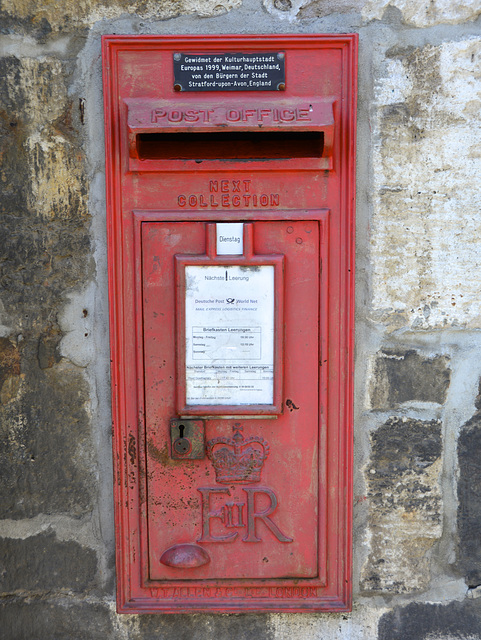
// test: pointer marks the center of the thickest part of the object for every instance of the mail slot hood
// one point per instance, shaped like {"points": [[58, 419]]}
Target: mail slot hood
{"points": [[209, 130]]}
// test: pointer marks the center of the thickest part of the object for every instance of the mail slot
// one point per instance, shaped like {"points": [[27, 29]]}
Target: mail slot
{"points": [[230, 145], [230, 212]]}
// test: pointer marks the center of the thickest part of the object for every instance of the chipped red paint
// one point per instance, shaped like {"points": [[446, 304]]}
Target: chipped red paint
{"points": [[272, 532]]}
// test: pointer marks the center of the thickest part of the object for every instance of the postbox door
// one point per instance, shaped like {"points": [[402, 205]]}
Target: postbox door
{"points": [[249, 507]]}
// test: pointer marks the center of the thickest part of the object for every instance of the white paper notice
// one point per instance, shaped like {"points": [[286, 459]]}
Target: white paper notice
{"points": [[229, 329], [230, 238]]}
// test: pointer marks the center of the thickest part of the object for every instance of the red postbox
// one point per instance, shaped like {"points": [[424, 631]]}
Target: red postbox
{"points": [[230, 193]]}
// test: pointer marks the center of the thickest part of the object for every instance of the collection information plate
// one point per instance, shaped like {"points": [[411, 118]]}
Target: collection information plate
{"points": [[230, 72], [229, 334]]}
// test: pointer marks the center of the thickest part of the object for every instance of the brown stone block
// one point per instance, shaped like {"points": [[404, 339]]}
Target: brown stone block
{"points": [[9, 360]]}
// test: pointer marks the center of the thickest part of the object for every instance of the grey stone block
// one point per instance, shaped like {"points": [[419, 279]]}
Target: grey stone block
{"points": [[45, 447], [42, 620], [405, 505], [406, 376], [200, 627], [43, 563], [469, 501], [432, 622]]}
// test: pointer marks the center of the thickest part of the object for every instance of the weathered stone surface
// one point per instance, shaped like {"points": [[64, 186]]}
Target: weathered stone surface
{"points": [[45, 455], [404, 504], [48, 343], [457, 620], [9, 370], [37, 119], [44, 447], [412, 12], [469, 500], [43, 211], [321, 8], [361, 624], [9, 360], [200, 627], [283, 5], [426, 192], [61, 620], [400, 376], [425, 14], [43, 563], [43, 18]]}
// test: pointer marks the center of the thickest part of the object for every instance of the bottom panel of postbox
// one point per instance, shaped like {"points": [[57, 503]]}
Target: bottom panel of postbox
{"points": [[231, 494]]}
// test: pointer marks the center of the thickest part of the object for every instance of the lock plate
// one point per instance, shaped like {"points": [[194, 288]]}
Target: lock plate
{"points": [[187, 439]]}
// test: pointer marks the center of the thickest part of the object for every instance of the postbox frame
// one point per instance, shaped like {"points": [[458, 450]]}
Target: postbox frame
{"points": [[134, 592]]}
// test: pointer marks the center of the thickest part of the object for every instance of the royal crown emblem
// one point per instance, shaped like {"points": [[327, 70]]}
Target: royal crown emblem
{"points": [[240, 459]]}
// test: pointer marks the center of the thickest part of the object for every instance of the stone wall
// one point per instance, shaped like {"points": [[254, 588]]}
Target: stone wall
{"points": [[417, 507]]}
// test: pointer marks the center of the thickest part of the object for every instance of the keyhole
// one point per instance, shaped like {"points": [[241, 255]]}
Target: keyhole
{"points": [[182, 445]]}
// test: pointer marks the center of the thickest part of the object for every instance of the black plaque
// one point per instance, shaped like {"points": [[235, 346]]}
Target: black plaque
{"points": [[229, 71]]}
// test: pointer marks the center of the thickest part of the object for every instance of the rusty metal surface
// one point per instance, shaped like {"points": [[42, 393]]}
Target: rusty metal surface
{"points": [[187, 438]]}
